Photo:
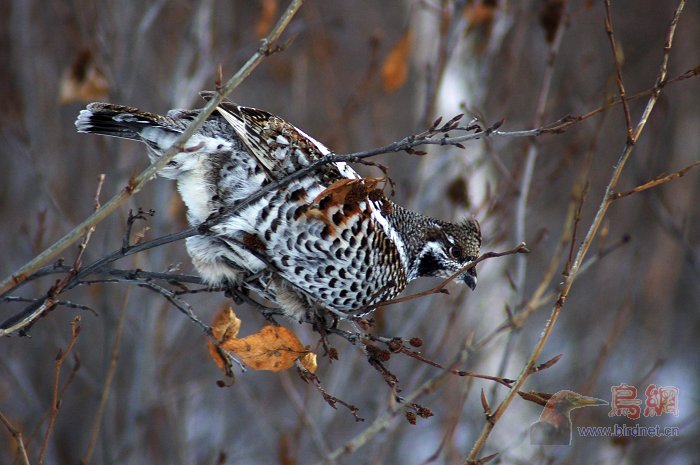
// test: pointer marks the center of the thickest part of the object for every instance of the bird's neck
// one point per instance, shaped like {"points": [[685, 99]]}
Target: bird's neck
{"points": [[412, 229], [555, 416]]}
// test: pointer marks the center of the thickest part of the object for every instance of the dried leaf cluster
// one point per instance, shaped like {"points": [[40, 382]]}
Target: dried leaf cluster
{"points": [[273, 348]]}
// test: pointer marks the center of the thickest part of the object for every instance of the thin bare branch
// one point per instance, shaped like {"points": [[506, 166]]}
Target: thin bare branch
{"points": [[383, 422], [111, 370], [17, 435], [618, 70], [88, 234], [395, 346], [662, 179], [55, 400]]}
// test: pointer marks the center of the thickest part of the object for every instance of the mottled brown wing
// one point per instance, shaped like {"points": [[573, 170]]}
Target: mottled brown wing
{"points": [[278, 147]]}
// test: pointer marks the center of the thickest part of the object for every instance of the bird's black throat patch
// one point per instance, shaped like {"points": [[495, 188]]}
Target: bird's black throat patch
{"points": [[428, 265]]}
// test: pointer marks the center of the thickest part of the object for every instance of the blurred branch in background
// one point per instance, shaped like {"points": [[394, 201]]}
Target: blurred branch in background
{"points": [[359, 74]]}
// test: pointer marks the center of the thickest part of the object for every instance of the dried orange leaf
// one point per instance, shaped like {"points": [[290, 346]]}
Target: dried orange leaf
{"points": [[224, 328], [395, 66], [268, 13], [308, 361], [335, 189], [339, 190], [83, 81], [479, 14], [226, 325], [273, 348]]}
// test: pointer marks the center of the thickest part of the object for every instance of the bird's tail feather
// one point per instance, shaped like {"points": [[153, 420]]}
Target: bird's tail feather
{"points": [[121, 121]]}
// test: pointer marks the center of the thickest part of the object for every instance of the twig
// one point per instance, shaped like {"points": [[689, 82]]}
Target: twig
{"points": [[618, 71], [583, 249], [540, 298], [130, 221], [267, 47], [306, 420], [111, 370], [55, 400], [331, 400], [418, 356], [180, 304], [520, 317], [88, 234], [39, 307], [574, 228], [566, 122], [183, 307], [385, 420], [25, 318], [30, 314], [62, 303], [17, 435], [662, 179], [435, 136]]}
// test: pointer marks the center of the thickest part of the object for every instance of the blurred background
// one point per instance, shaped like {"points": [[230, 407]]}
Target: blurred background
{"points": [[355, 76]]}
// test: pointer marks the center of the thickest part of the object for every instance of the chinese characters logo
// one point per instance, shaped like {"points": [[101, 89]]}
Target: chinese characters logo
{"points": [[658, 400]]}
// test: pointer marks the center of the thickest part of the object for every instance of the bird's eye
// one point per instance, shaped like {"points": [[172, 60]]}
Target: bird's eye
{"points": [[456, 252]]}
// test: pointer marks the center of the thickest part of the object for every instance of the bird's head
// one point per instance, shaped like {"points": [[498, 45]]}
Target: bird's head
{"points": [[448, 248], [560, 405]]}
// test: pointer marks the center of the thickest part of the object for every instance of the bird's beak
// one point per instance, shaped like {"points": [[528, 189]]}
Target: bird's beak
{"points": [[583, 401], [469, 278]]}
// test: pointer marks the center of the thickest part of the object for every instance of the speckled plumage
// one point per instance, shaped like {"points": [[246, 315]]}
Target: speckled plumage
{"points": [[327, 242]]}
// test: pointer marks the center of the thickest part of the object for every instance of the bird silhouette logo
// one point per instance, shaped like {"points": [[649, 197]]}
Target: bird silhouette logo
{"points": [[554, 426]]}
